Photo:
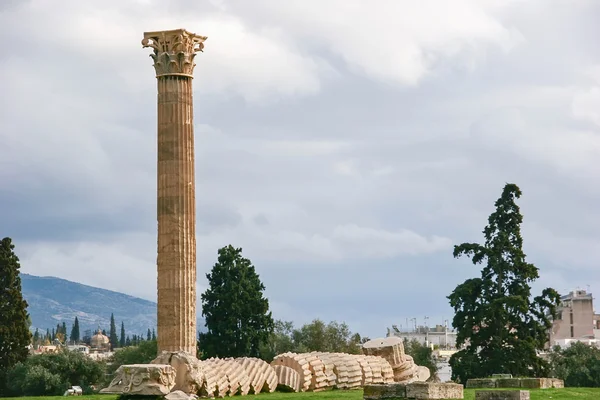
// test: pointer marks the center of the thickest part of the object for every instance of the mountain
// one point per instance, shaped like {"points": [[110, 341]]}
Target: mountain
{"points": [[54, 301]]}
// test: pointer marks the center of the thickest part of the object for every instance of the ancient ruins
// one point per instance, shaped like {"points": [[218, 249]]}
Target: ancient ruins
{"points": [[173, 55], [315, 371], [176, 370]]}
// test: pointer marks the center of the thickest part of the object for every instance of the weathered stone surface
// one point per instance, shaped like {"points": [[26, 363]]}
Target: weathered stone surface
{"points": [[558, 383], [288, 377], [299, 363], [262, 376], [502, 395], [423, 373], [533, 383], [429, 390], [390, 348], [508, 383], [142, 379], [503, 376], [481, 383], [385, 392], [173, 54], [179, 395], [189, 376]]}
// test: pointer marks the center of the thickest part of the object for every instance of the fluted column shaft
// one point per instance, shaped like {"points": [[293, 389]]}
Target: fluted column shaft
{"points": [[176, 214]]}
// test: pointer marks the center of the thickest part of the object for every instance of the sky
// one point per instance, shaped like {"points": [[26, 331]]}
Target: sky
{"points": [[345, 147]]}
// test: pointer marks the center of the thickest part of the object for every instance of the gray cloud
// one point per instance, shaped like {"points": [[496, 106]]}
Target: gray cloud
{"points": [[345, 149]]}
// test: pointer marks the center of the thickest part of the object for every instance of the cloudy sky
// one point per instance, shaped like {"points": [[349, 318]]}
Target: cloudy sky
{"points": [[345, 145]]}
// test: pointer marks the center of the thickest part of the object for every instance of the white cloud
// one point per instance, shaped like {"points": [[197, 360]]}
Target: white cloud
{"points": [[586, 105], [396, 42]]}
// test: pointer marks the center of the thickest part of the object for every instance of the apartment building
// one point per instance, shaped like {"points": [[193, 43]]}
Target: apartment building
{"points": [[576, 320]]}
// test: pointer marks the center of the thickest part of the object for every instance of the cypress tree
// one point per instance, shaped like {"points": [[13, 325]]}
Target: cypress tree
{"points": [[153, 334], [237, 314], [14, 332], [122, 339], [114, 339], [149, 335], [75, 334]]}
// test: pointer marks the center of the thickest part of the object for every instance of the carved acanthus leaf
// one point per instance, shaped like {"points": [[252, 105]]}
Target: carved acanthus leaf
{"points": [[174, 51]]}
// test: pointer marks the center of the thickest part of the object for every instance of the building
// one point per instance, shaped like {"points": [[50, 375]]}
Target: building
{"points": [[575, 320], [99, 343], [439, 336]]}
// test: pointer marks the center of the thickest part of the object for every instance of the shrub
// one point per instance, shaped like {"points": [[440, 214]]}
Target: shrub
{"points": [[578, 365], [52, 374], [34, 380]]}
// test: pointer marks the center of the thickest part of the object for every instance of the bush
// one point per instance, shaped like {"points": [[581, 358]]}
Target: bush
{"points": [[578, 365], [52, 374], [143, 353], [34, 380], [422, 356]]}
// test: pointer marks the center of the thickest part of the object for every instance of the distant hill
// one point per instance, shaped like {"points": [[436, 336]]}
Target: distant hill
{"points": [[53, 300]]}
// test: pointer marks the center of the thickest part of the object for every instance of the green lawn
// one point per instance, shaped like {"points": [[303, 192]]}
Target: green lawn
{"points": [[554, 394]]}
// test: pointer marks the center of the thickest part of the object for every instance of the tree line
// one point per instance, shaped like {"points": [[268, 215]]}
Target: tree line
{"points": [[501, 327], [75, 337]]}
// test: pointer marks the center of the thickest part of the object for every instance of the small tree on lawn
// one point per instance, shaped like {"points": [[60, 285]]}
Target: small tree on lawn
{"points": [[495, 317], [236, 312]]}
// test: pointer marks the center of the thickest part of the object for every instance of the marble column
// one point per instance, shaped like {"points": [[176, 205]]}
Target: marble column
{"points": [[173, 55]]}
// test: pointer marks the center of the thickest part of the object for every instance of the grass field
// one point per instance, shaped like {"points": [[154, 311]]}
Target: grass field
{"points": [[554, 394]]}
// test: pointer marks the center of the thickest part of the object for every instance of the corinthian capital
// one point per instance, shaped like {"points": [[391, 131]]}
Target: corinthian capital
{"points": [[174, 51]]}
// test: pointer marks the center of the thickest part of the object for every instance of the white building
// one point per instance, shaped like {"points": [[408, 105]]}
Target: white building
{"points": [[440, 336]]}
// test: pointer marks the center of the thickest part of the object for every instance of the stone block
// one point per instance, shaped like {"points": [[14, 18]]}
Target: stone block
{"points": [[142, 379], [392, 391], [189, 376], [557, 383], [532, 383], [481, 383], [426, 390], [390, 348], [503, 376], [508, 383], [502, 395]]}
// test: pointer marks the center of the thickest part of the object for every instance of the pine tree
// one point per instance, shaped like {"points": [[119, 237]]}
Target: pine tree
{"points": [[494, 315], [149, 335], [63, 328], [14, 331], [114, 339], [237, 315], [128, 341], [75, 334], [153, 334], [122, 339]]}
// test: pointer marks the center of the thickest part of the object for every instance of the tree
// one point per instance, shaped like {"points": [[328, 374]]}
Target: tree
{"points": [[422, 355], [114, 339], [122, 338], [236, 312], [578, 365], [501, 327], [14, 331], [314, 336], [75, 334], [51, 374], [153, 334], [142, 354], [149, 334], [280, 341]]}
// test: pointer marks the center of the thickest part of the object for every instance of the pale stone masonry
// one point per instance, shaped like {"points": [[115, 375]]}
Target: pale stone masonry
{"points": [[173, 55]]}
